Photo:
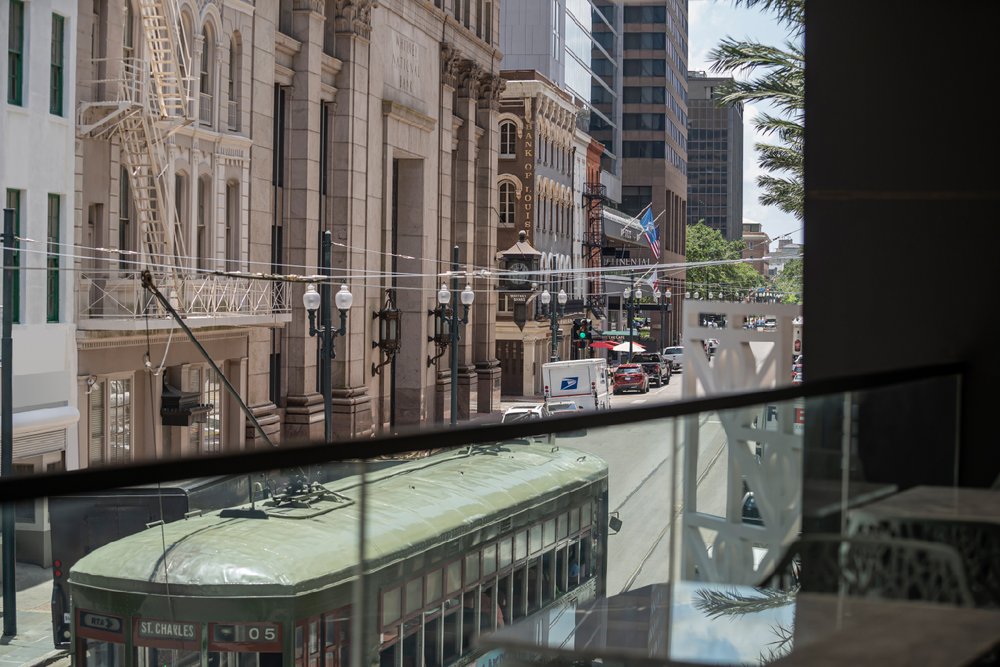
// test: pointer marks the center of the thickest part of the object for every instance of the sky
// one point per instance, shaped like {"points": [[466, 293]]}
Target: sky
{"points": [[708, 22]]}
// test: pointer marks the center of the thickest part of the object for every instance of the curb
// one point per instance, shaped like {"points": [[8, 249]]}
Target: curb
{"points": [[47, 659]]}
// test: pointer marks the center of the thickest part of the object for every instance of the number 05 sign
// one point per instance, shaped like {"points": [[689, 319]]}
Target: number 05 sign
{"points": [[262, 637]]}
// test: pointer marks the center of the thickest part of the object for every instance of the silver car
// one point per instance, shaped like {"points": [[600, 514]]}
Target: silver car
{"points": [[675, 355]]}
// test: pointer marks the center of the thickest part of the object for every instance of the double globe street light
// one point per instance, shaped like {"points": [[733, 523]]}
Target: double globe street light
{"points": [[312, 300], [447, 333], [546, 299], [663, 298], [631, 294]]}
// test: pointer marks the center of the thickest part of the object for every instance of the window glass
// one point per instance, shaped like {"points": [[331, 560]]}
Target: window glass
{"points": [[390, 606], [453, 577], [414, 595], [585, 518], [574, 520], [489, 559], [520, 546], [562, 525], [548, 532], [505, 553], [535, 538], [471, 567], [433, 585]]}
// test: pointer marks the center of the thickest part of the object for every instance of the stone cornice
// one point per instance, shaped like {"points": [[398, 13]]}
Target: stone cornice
{"points": [[405, 114], [354, 16]]}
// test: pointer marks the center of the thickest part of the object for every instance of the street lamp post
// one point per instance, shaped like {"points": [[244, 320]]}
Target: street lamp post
{"points": [[326, 333], [664, 299], [631, 294], [467, 296], [7, 427], [546, 299]]}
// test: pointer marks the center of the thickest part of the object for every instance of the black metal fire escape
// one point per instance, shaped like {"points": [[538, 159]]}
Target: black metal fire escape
{"points": [[595, 195]]}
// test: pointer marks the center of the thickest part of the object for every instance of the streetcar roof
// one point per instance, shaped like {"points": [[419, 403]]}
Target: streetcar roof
{"points": [[408, 508]]}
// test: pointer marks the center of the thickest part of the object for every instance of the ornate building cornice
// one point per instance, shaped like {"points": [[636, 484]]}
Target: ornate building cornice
{"points": [[470, 78], [491, 86], [354, 16], [451, 64], [315, 6]]}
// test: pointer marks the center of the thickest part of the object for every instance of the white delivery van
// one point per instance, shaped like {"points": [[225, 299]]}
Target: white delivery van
{"points": [[582, 380]]}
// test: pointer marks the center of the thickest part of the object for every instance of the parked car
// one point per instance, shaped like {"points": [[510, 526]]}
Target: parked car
{"points": [[520, 413], [675, 355], [657, 368], [631, 376]]}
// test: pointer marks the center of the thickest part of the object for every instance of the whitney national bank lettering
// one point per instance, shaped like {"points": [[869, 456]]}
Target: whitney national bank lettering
{"points": [[406, 65]]}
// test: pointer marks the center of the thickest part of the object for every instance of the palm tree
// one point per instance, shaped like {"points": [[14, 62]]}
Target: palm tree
{"points": [[775, 75], [719, 604]]}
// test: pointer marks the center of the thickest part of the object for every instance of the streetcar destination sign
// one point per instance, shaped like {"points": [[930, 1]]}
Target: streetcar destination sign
{"points": [[101, 622], [166, 630]]}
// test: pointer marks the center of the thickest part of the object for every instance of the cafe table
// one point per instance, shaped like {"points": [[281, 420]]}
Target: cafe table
{"points": [[699, 623], [945, 503]]}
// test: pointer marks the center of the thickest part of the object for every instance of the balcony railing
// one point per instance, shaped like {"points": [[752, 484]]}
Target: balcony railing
{"points": [[115, 296]]}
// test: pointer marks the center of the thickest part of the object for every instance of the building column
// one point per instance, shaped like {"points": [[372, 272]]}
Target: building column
{"points": [[487, 204], [352, 209], [261, 217], [304, 412]]}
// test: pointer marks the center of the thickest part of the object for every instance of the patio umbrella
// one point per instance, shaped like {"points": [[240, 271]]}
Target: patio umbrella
{"points": [[603, 344], [624, 347]]}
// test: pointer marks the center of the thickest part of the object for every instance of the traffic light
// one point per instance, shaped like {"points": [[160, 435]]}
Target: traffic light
{"points": [[588, 334], [576, 332]]}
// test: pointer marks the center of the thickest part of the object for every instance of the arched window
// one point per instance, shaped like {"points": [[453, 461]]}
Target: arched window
{"points": [[507, 203], [205, 88], [232, 226], [508, 139], [203, 235]]}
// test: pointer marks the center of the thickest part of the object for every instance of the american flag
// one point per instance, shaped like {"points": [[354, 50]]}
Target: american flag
{"points": [[650, 232]]}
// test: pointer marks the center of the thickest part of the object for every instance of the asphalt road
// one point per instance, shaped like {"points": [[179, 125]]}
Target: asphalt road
{"points": [[640, 462]]}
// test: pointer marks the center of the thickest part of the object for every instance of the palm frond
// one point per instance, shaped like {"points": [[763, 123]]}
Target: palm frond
{"points": [[791, 13], [717, 604], [784, 193]]}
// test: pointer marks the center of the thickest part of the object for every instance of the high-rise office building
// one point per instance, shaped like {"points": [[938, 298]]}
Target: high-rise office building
{"points": [[574, 44], [715, 157]]}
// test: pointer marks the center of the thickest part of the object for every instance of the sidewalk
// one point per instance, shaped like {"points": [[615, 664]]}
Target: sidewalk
{"points": [[32, 645]]}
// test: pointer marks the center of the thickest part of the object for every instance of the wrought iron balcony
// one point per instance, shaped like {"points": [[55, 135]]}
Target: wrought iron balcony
{"points": [[116, 300]]}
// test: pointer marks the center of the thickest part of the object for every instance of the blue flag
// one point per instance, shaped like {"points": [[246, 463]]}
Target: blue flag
{"points": [[650, 232]]}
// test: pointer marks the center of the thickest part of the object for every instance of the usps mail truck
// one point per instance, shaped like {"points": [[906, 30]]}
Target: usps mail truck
{"points": [[585, 381]]}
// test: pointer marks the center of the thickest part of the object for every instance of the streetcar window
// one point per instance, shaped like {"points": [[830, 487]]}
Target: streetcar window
{"points": [[535, 539], [414, 595], [451, 631], [517, 597], [534, 584], [432, 643], [521, 546], [230, 659], [585, 519], [390, 606], [562, 527], [471, 567], [548, 577], [313, 643], [299, 645], [549, 533], [574, 520], [336, 638], [151, 656], [562, 581], [503, 596], [489, 560], [469, 623], [387, 657], [97, 653], [505, 553], [433, 586], [585, 564], [453, 577]]}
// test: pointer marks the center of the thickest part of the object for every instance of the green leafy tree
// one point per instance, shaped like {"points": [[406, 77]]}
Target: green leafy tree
{"points": [[789, 281], [705, 244], [776, 75]]}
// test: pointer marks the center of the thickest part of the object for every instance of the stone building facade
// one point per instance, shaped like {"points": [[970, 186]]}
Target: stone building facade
{"points": [[376, 122]]}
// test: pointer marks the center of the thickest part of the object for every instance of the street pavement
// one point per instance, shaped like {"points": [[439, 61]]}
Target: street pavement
{"points": [[32, 645]]}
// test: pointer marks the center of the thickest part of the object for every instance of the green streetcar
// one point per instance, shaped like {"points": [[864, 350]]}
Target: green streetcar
{"points": [[456, 544]]}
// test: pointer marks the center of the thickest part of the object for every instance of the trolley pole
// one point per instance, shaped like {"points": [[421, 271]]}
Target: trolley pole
{"points": [[7, 426]]}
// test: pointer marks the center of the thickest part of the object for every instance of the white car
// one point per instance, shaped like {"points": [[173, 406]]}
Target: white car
{"points": [[559, 407], [675, 355], [520, 413]]}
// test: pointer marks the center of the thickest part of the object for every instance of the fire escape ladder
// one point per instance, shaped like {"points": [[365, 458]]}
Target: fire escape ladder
{"points": [[596, 195], [168, 57]]}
